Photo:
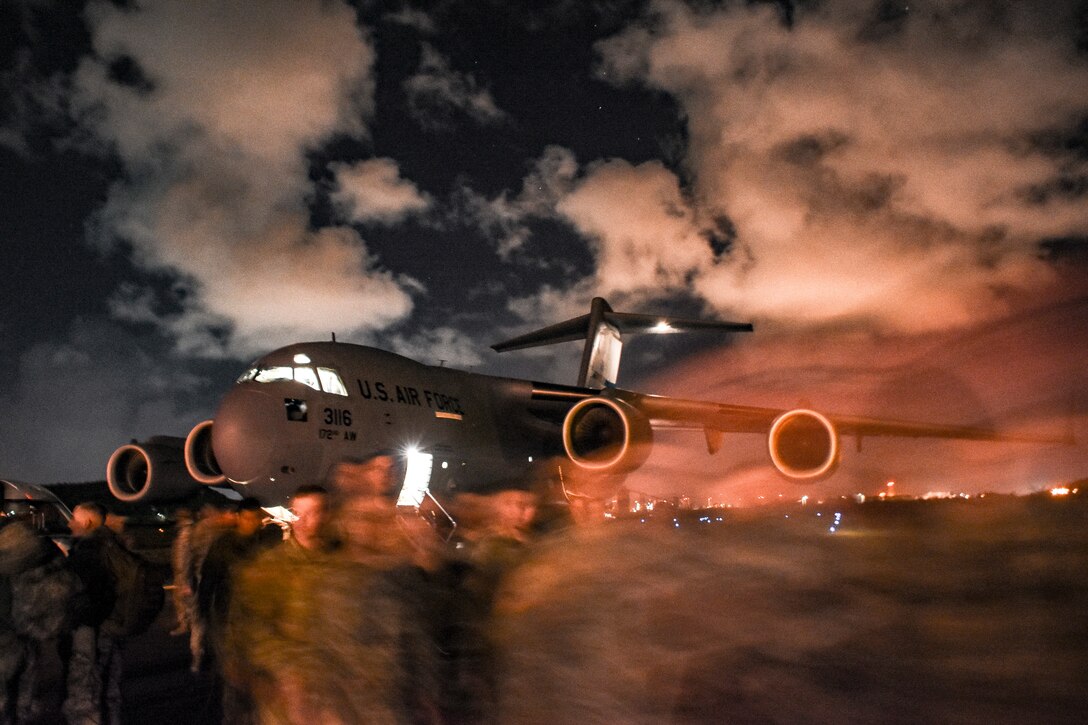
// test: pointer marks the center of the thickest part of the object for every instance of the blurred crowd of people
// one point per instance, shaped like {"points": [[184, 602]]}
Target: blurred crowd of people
{"points": [[351, 611], [357, 613]]}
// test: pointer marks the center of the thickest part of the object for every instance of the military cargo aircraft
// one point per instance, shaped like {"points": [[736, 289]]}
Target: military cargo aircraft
{"points": [[299, 410]]}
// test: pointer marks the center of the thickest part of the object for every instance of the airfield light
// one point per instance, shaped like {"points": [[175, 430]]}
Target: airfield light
{"points": [[302, 359], [1059, 491]]}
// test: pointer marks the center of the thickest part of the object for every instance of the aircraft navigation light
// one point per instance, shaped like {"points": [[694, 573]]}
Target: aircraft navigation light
{"points": [[662, 327], [302, 359]]}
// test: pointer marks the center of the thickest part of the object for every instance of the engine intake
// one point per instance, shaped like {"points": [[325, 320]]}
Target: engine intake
{"points": [[804, 445], [199, 456], [606, 435], [149, 471]]}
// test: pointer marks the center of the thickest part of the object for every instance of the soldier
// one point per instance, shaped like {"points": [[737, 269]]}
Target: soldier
{"points": [[491, 540], [216, 516], [372, 625], [94, 667], [36, 594], [180, 555], [268, 633], [225, 558]]}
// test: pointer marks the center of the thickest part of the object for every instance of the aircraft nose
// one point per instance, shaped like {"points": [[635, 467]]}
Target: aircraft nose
{"points": [[245, 434]]}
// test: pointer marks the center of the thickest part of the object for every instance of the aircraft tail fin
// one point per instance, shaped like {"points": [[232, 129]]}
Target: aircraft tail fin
{"points": [[603, 330]]}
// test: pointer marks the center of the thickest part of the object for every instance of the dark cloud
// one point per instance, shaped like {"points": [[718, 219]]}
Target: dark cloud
{"points": [[438, 94], [74, 401]]}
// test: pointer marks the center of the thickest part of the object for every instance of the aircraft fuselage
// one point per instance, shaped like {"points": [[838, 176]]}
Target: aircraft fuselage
{"points": [[301, 409]]}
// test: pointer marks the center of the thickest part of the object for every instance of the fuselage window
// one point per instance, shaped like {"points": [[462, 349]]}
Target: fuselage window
{"points": [[331, 382]]}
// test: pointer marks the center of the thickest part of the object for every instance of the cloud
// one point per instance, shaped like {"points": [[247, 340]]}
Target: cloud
{"points": [[373, 190], [438, 346], [211, 109], [873, 174], [412, 18], [644, 234], [437, 93]]}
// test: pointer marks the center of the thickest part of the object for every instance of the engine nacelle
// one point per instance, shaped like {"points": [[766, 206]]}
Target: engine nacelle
{"points": [[149, 471], [606, 435], [199, 456], [804, 445]]}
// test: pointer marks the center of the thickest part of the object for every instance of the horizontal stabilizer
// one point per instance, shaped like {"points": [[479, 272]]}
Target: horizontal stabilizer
{"points": [[577, 328], [602, 329]]}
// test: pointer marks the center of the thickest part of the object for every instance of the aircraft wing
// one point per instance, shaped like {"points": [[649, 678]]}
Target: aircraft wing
{"points": [[677, 413]]}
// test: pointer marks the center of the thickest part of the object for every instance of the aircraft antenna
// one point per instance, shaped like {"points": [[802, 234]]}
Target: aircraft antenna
{"points": [[334, 337]]}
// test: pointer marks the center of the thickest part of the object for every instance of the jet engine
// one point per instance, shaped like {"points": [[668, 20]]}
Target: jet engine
{"points": [[149, 471], [199, 457], [804, 445], [605, 435]]}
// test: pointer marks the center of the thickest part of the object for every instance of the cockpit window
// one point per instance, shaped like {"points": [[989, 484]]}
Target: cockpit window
{"points": [[331, 382], [326, 379], [306, 376], [274, 374]]}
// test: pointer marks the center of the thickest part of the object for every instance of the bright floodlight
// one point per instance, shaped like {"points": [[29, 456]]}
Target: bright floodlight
{"points": [[417, 476]]}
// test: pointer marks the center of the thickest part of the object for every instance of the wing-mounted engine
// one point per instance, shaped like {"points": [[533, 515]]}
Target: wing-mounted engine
{"points": [[606, 435], [199, 456], [153, 470], [804, 445]]}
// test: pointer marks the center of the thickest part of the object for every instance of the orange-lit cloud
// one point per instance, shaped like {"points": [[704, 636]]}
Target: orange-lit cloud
{"points": [[873, 175], [1020, 375]]}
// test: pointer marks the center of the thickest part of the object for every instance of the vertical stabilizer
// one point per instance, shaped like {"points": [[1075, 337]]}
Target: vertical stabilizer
{"points": [[602, 329], [601, 354]]}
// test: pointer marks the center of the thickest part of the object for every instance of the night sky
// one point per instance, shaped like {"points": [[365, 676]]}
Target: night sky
{"points": [[894, 193]]}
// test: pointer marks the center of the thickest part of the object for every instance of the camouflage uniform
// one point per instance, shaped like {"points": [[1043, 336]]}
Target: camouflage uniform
{"points": [[378, 660], [472, 575], [201, 537], [324, 637], [36, 592], [94, 666], [268, 644], [181, 555]]}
